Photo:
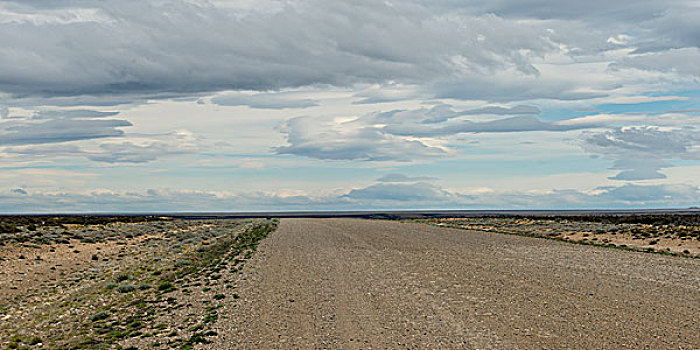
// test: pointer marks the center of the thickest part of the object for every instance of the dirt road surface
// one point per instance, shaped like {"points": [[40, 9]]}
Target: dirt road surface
{"points": [[360, 284]]}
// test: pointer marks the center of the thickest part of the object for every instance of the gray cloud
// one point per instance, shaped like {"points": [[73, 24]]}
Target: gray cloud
{"points": [[512, 124], [450, 49], [19, 191], [655, 25], [647, 141], [135, 149], [399, 192], [61, 129], [519, 109], [495, 110], [403, 178], [310, 137], [641, 151], [639, 169], [147, 47], [128, 152], [399, 134], [376, 196], [72, 114], [45, 150], [263, 101], [145, 149], [684, 62], [518, 88]]}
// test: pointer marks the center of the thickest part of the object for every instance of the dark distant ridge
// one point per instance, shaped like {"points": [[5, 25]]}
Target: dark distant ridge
{"points": [[658, 216]]}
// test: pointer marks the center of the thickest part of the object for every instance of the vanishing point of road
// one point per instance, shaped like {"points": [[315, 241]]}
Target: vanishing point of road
{"points": [[363, 284]]}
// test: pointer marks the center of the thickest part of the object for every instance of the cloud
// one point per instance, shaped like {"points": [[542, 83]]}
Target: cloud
{"points": [[45, 150], [388, 93], [399, 192], [135, 149], [640, 169], [150, 47], [641, 151], [672, 118], [647, 24], [19, 191], [494, 110], [512, 124], [682, 63], [403, 135], [404, 178], [72, 114], [319, 138], [498, 51], [263, 101], [145, 150], [128, 152], [375, 196], [60, 126], [660, 195], [647, 141]]}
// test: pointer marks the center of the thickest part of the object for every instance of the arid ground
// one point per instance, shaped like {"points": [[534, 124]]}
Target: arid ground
{"points": [[335, 284], [356, 284]]}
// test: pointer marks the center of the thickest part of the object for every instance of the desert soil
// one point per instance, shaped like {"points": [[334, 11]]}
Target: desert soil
{"points": [[360, 284]]}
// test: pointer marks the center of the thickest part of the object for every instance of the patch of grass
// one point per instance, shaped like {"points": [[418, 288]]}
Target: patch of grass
{"points": [[166, 287], [125, 288], [102, 315], [182, 262], [122, 277]]}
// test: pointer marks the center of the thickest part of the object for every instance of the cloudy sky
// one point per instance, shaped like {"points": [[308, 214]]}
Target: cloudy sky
{"points": [[249, 105]]}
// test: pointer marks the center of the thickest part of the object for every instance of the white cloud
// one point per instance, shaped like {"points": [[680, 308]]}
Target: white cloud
{"points": [[350, 140], [403, 135]]}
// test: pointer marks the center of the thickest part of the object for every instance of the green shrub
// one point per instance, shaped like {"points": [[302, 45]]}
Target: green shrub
{"points": [[125, 288], [100, 316], [166, 287], [181, 263]]}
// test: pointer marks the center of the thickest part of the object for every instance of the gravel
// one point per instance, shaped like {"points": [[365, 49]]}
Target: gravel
{"points": [[345, 283]]}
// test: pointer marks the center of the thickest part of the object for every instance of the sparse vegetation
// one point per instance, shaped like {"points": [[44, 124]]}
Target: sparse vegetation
{"points": [[140, 291], [648, 233], [125, 288]]}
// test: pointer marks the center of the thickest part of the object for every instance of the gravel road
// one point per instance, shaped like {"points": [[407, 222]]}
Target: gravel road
{"points": [[361, 284]]}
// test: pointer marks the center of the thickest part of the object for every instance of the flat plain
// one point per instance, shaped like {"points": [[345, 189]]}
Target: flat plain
{"points": [[361, 284], [163, 283]]}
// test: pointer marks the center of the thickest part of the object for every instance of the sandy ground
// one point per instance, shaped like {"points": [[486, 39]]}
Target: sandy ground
{"points": [[581, 232], [675, 245], [358, 284], [48, 265], [153, 285]]}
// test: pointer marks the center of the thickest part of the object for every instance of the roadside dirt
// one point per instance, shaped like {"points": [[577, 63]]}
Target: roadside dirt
{"points": [[679, 239], [360, 284]]}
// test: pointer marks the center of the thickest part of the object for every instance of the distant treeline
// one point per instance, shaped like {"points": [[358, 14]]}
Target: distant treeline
{"points": [[11, 224]]}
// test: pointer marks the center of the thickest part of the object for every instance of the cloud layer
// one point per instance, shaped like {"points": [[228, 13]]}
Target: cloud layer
{"points": [[456, 49], [59, 126], [130, 94], [376, 196], [641, 151], [403, 135]]}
